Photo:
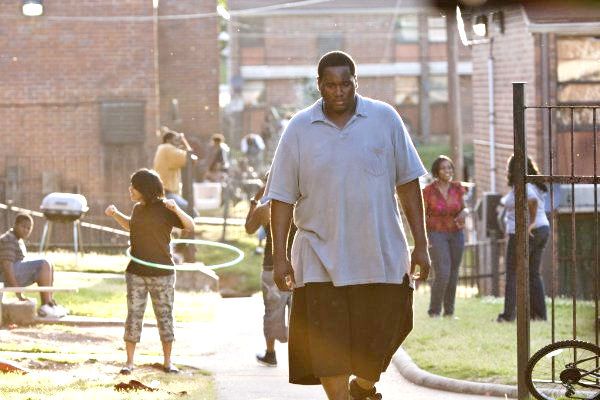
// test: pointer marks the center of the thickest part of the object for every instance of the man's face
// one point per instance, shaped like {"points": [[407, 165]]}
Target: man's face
{"points": [[338, 87], [23, 229], [175, 140]]}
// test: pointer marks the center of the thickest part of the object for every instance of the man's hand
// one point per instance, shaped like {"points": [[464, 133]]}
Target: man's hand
{"points": [[420, 257], [110, 210], [283, 275]]}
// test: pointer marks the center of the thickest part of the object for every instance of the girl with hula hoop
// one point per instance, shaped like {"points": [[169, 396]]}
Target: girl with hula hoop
{"points": [[150, 225]]}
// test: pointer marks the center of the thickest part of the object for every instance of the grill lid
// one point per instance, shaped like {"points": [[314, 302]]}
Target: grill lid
{"points": [[64, 204]]}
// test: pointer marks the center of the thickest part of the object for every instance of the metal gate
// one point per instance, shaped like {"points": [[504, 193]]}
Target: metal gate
{"points": [[565, 141]]}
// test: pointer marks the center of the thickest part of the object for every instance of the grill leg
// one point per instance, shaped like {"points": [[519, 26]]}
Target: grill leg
{"points": [[45, 236], [80, 236], [43, 239], [75, 242]]}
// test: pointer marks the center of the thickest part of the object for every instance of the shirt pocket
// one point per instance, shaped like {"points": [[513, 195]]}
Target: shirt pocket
{"points": [[374, 160]]}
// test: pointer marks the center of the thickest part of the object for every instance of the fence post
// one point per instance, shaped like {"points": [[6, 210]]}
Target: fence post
{"points": [[188, 182], [522, 250], [7, 219], [495, 260]]}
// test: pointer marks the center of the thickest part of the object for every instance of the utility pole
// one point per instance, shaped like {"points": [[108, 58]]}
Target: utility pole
{"points": [[454, 109], [424, 104]]}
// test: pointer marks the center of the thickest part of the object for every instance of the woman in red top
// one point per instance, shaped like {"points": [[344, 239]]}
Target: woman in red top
{"points": [[445, 212]]}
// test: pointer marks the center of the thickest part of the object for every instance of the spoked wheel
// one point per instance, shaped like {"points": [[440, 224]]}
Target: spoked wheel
{"points": [[569, 369]]}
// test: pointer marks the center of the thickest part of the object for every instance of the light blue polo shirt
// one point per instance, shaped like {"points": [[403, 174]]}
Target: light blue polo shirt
{"points": [[342, 183]]}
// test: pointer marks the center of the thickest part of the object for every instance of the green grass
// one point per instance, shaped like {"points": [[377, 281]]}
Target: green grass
{"points": [[430, 151], [244, 276], [99, 296], [102, 296], [475, 347], [89, 262]]}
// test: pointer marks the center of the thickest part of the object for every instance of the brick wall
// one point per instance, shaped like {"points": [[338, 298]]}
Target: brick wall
{"points": [[288, 40], [514, 60], [54, 75], [189, 67]]}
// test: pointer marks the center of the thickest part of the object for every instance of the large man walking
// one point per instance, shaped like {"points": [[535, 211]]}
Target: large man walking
{"points": [[340, 162]]}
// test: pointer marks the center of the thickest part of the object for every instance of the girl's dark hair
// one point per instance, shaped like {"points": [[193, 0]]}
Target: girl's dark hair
{"points": [[336, 59], [435, 167], [148, 183], [532, 169]]}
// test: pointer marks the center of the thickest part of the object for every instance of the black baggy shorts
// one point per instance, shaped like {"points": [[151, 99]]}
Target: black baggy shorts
{"points": [[347, 330]]}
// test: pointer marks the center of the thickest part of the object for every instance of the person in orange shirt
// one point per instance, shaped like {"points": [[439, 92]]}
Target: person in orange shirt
{"points": [[168, 161]]}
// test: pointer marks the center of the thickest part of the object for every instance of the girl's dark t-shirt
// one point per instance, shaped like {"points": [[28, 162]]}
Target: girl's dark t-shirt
{"points": [[150, 229]]}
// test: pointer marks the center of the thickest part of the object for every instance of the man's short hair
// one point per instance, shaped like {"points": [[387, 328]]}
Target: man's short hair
{"points": [[22, 217], [336, 59], [217, 137], [168, 136]]}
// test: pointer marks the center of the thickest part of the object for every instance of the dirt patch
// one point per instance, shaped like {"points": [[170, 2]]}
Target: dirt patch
{"points": [[65, 336]]}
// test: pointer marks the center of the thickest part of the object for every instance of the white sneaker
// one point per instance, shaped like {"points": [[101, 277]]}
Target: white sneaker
{"points": [[60, 311], [47, 311]]}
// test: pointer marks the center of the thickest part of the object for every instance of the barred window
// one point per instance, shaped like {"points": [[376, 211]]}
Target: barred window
{"points": [[122, 122], [407, 29]]}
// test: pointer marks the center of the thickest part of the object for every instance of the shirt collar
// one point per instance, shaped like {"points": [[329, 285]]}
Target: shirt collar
{"points": [[317, 113], [12, 232]]}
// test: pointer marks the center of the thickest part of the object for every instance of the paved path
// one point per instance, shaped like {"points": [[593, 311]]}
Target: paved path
{"points": [[228, 348]]}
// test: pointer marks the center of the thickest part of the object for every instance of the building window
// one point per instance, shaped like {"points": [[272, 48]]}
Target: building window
{"points": [[251, 32], [407, 29], [330, 42], [436, 29], [122, 122], [253, 93], [578, 75], [407, 90], [438, 92]]}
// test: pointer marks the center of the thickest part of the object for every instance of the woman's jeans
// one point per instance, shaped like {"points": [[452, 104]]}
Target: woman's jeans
{"points": [[446, 254], [537, 242]]}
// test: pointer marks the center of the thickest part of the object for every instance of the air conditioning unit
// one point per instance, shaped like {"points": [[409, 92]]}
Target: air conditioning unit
{"points": [[487, 215], [582, 195], [207, 195]]}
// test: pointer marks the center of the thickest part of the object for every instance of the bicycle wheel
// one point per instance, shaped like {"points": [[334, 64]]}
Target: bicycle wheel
{"points": [[565, 370]]}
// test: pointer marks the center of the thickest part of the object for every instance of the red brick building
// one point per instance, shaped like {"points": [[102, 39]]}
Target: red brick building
{"points": [[555, 50], [85, 87], [400, 49]]}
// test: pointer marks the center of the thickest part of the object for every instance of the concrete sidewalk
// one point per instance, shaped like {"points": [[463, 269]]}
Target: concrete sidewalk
{"points": [[229, 344]]}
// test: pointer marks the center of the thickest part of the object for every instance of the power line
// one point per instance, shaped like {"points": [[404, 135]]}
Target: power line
{"points": [[175, 17]]}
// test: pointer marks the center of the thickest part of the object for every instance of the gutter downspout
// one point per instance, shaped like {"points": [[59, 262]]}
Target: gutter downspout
{"points": [[491, 117]]}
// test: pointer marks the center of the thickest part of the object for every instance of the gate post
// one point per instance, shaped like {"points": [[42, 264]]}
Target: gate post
{"points": [[522, 250]]}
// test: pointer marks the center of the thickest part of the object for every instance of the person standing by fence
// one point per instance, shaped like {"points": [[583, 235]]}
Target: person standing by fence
{"points": [[445, 213], [539, 230], [169, 159]]}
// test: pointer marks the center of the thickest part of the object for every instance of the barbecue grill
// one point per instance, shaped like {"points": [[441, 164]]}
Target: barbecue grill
{"points": [[65, 208]]}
